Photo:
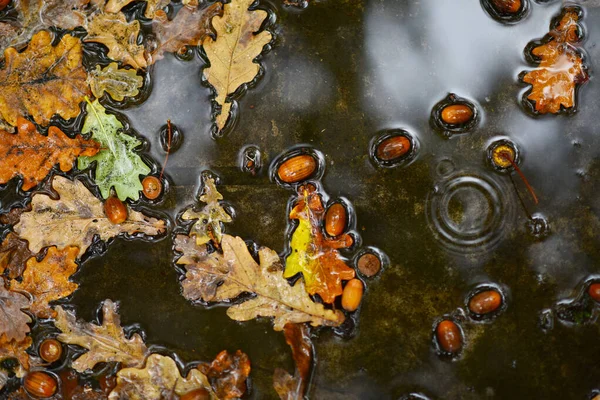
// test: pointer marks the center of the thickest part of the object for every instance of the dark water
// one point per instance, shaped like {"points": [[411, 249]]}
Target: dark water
{"points": [[339, 73]]}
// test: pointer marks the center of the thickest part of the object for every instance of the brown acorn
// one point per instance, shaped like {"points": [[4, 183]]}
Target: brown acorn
{"points": [[115, 210], [457, 114], [393, 148], [297, 168], [369, 264], [3, 4], [50, 350], [352, 295], [335, 219], [507, 6], [485, 302], [40, 384], [449, 336], [151, 187], [594, 291]]}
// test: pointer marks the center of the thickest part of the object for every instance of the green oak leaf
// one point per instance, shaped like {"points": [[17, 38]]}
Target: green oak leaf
{"points": [[117, 164]]}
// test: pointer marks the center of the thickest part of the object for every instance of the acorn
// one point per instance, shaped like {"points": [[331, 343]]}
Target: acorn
{"points": [[151, 187], [50, 350], [485, 302], [3, 4], [507, 6], [369, 264], [594, 291], [449, 336], [297, 168], [352, 295], [40, 384], [393, 147], [335, 219], [457, 114], [198, 394], [115, 210]]}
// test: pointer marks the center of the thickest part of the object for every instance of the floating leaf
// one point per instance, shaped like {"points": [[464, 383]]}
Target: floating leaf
{"points": [[75, 218], [14, 252], [105, 343], [48, 280], [118, 165], [210, 217], [31, 155], [223, 277], [228, 374], [561, 67], [16, 349], [152, 6], [158, 380], [13, 321], [43, 80], [120, 36], [232, 54], [313, 254], [289, 387], [189, 27], [117, 82]]}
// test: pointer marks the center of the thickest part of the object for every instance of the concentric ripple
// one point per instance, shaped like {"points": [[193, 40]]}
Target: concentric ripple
{"points": [[469, 213]]}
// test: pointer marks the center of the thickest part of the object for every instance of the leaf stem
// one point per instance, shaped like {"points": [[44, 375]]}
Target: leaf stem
{"points": [[110, 143]]}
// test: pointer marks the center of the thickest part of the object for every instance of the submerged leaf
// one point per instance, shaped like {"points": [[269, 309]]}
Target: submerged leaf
{"points": [[313, 254], [75, 218], [105, 343], [158, 380], [31, 155], [43, 80], [208, 227], [223, 277], [232, 54], [290, 387], [48, 280], [118, 165], [14, 252], [228, 374], [118, 83], [561, 67], [13, 321]]}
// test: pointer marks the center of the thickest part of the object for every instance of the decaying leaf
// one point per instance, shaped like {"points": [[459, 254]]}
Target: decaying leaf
{"points": [[290, 387], [312, 253], [189, 27], [152, 6], [118, 165], [105, 343], [48, 280], [117, 82], [16, 349], [210, 217], [13, 321], [120, 36], [75, 218], [232, 54], [14, 252], [228, 374], [561, 68], [32, 155], [158, 380], [213, 277], [43, 80]]}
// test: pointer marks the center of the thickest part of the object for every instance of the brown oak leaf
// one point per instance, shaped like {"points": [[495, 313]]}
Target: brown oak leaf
{"points": [[223, 277], [189, 27], [152, 6], [119, 36], [561, 68], [16, 349], [105, 343], [31, 155], [43, 80], [48, 280], [228, 374], [14, 252], [75, 218], [290, 387], [13, 321]]}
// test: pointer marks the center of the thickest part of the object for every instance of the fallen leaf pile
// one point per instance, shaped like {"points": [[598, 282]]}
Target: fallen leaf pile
{"points": [[561, 68]]}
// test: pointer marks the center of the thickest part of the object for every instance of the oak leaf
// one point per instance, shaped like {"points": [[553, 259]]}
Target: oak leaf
{"points": [[118, 165], [105, 343], [216, 277], [13, 321], [14, 252], [208, 227], [561, 68], [119, 36], [233, 52], [227, 374], [32, 156], [158, 380], [188, 28], [152, 6], [16, 349], [289, 387], [117, 82], [313, 254], [43, 80], [48, 280], [75, 218]]}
